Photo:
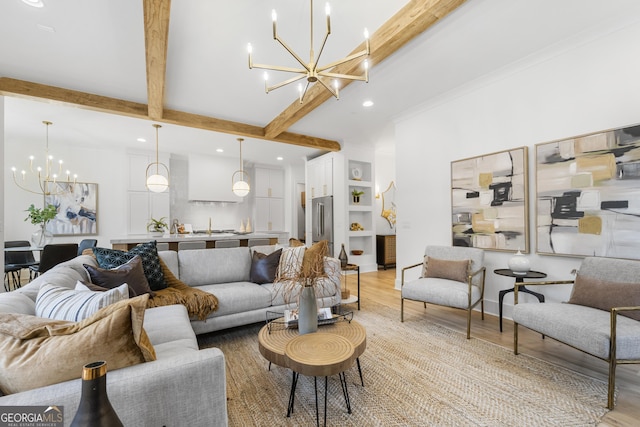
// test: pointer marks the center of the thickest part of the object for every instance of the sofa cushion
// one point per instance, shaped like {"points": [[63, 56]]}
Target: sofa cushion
{"points": [[57, 350], [112, 258], [211, 266], [131, 273], [16, 302], [264, 267], [446, 269], [238, 297], [585, 328], [59, 303], [313, 260], [446, 292], [605, 294]]}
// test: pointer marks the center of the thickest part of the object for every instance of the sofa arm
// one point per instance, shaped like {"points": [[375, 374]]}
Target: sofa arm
{"points": [[189, 389]]}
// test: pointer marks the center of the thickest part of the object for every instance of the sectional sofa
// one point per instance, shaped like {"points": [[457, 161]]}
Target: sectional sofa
{"points": [[145, 393]]}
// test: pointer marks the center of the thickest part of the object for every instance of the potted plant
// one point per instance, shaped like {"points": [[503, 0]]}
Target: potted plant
{"points": [[41, 217], [157, 227], [356, 195]]}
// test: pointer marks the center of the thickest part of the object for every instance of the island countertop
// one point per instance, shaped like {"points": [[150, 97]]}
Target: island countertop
{"points": [[128, 242]]}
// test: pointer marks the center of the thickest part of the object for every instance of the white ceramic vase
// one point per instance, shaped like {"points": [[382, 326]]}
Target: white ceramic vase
{"points": [[307, 311], [519, 264], [41, 237]]}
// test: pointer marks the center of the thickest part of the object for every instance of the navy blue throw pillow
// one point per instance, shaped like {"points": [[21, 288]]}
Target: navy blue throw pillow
{"points": [[112, 258]]}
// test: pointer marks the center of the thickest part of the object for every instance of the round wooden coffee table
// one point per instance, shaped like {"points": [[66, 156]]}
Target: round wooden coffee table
{"points": [[319, 354]]}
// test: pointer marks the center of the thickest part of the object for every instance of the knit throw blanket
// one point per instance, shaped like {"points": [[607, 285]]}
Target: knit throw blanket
{"points": [[199, 303]]}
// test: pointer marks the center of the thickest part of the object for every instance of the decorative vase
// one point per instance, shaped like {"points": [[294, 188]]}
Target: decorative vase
{"points": [[307, 311], [356, 200], [41, 237], [95, 410], [519, 264], [343, 257]]}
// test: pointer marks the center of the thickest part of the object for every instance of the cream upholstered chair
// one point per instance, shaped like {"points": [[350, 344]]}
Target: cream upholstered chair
{"points": [[452, 276]]}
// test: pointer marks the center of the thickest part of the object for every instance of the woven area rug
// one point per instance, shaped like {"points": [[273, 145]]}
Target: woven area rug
{"points": [[416, 373]]}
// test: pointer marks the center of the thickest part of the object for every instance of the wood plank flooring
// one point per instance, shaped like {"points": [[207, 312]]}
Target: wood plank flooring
{"points": [[379, 286]]}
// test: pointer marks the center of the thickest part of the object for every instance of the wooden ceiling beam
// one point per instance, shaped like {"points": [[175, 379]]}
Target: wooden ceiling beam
{"points": [[103, 104], [413, 19], [156, 36]]}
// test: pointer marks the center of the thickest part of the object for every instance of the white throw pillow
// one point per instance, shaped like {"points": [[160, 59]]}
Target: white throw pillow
{"points": [[290, 263], [56, 302]]}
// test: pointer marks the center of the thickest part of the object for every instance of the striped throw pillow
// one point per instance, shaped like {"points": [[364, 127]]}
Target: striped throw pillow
{"points": [[59, 303]]}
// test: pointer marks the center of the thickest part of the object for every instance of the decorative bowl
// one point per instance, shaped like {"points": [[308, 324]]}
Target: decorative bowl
{"points": [[357, 252]]}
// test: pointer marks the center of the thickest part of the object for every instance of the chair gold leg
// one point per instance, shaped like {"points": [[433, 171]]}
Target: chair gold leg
{"points": [[401, 309], [482, 308], [425, 305], [515, 338], [612, 383], [469, 324]]}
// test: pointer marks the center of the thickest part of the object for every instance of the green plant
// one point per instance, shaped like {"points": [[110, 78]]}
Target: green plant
{"points": [[157, 225], [41, 216], [356, 192]]}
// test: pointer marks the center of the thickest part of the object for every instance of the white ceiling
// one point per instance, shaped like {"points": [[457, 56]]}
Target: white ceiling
{"points": [[98, 47]]}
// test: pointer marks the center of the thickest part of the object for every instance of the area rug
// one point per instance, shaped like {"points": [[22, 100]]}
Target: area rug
{"points": [[416, 373]]}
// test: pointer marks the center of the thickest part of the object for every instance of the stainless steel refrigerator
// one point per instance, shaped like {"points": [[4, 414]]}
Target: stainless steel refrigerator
{"points": [[322, 220]]}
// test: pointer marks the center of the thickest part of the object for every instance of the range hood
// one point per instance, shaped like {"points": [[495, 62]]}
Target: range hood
{"points": [[209, 179]]}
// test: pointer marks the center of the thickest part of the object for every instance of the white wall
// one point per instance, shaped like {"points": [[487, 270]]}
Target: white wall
{"points": [[583, 85]]}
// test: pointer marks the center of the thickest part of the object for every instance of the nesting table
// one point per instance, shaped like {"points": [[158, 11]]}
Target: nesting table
{"points": [[330, 351]]}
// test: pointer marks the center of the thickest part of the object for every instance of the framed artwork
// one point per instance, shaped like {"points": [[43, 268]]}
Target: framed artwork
{"points": [[77, 205], [489, 201], [588, 195]]}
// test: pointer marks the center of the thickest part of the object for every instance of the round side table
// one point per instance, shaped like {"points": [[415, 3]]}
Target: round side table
{"points": [[519, 279]]}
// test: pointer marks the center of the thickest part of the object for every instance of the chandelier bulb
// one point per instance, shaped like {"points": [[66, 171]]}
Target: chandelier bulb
{"points": [[249, 48], [327, 9], [366, 33], [366, 64], [274, 15], [265, 76]]}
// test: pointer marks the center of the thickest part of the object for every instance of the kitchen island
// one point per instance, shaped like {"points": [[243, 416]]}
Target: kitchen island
{"points": [[126, 243]]}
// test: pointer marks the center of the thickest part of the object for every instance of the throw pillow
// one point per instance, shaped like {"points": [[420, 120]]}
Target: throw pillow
{"points": [[131, 273], [605, 295], [447, 269], [294, 243], [313, 261], [290, 263], [264, 267], [57, 350], [112, 258], [59, 303]]}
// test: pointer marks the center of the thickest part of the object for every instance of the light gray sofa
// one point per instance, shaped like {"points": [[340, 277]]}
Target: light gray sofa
{"points": [[604, 334], [225, 273], [184, 386]]}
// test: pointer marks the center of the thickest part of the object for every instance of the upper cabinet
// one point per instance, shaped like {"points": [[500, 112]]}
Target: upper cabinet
{"points": [[320, 176], [209, 178], [269, 182]]}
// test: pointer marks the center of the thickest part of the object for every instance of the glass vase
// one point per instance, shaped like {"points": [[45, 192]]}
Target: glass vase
{"points": [[41, 237], [95, 410]]}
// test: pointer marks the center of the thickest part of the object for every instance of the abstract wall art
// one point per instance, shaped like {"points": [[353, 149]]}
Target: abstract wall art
{"points": [[588, 195], [77, 206], [489, 197]]}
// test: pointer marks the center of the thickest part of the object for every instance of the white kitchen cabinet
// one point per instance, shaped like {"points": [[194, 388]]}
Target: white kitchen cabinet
{"points": [[269, 182], [320, 175], [269, 214]]}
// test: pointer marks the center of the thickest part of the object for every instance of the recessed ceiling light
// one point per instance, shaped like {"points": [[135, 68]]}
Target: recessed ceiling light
{"points": [[220, 150], [34, 3], [141, 140], [279, 158], [367, 103], [46, 28]]}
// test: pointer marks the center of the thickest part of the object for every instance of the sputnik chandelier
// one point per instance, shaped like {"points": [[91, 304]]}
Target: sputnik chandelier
{"points": [[312, 71], [44, 179]]}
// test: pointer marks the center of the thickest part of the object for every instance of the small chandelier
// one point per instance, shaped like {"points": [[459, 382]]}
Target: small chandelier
{"points": [[157, 182], [239, 186], [45, 178], [311, 70]]}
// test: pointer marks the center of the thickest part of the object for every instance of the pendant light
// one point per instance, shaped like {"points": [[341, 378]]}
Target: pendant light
{"points": [[239, 186], [157, 182]]}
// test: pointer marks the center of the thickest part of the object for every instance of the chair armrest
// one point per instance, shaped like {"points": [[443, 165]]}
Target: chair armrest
{"points": [[542, 283], [614, 326], [408, 268], [475, 273]]}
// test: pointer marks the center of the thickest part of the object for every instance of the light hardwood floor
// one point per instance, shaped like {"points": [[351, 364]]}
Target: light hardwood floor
{"points": [[379, 286]]}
